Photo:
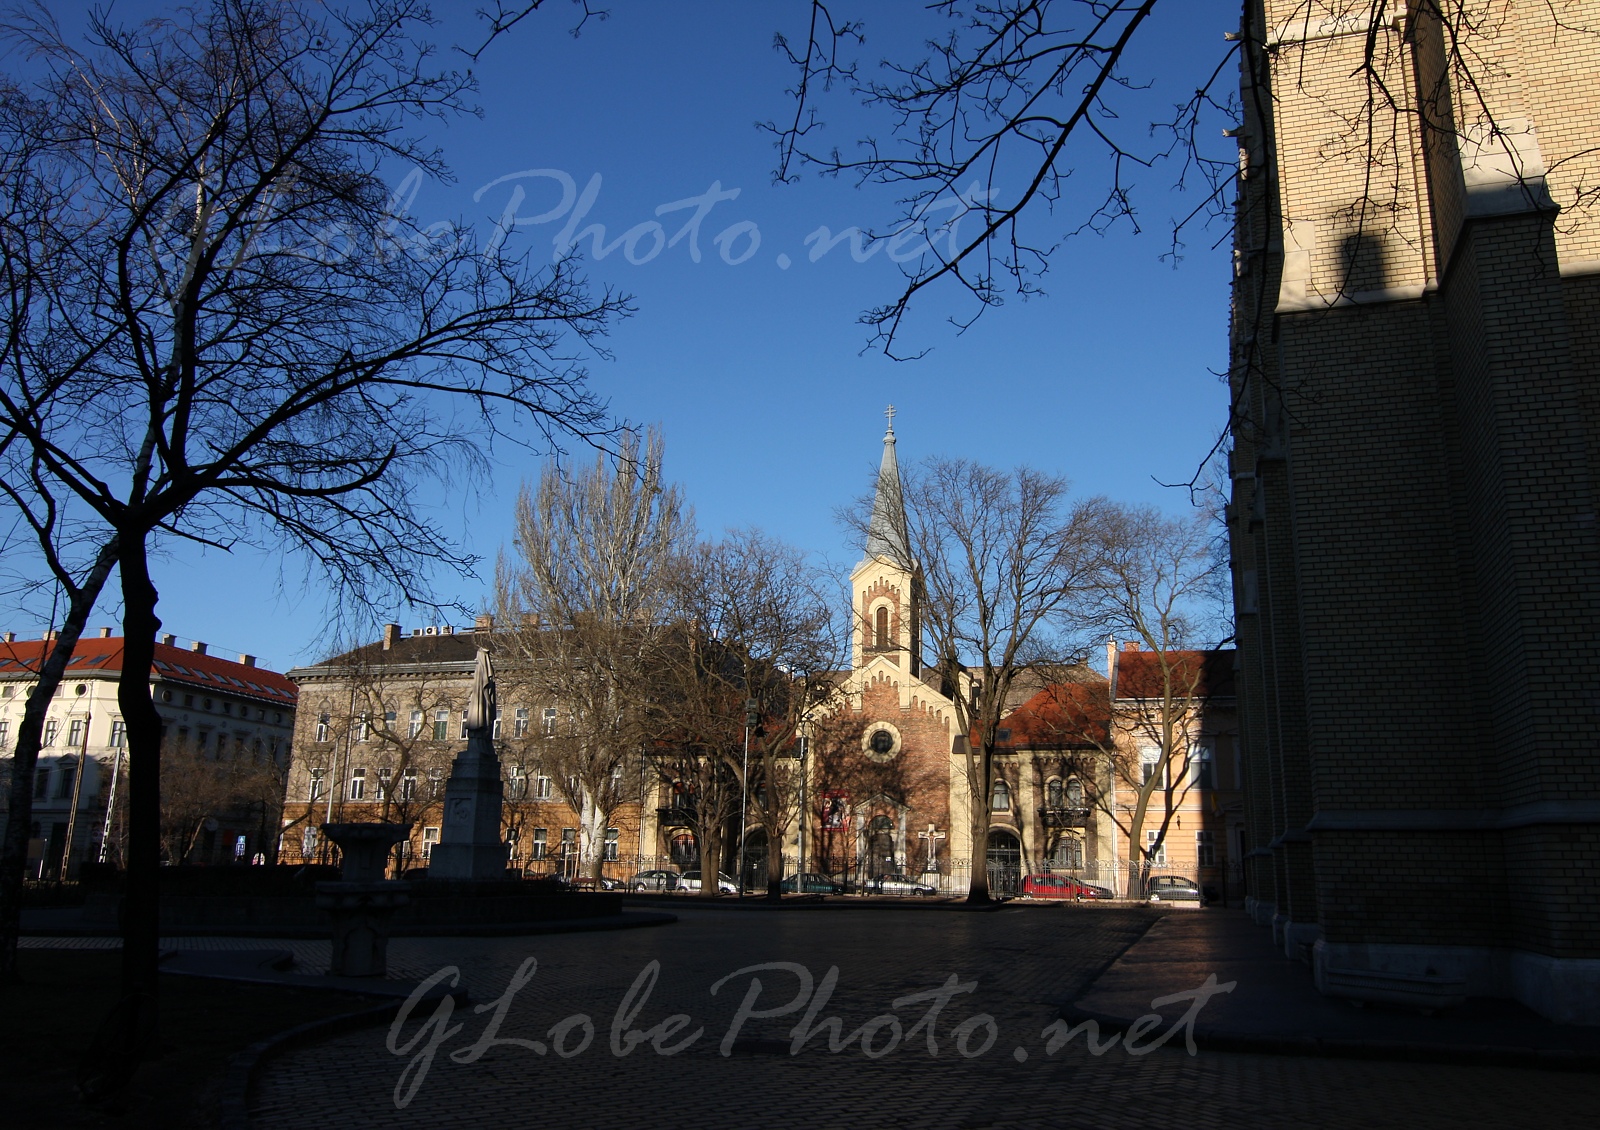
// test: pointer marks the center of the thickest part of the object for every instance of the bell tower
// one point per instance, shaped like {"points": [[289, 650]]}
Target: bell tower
{"points": [[885, 584]]}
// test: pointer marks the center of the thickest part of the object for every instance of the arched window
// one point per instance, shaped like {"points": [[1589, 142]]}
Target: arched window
{"points": [[880, 627], [1075, 794], [1000, 797], [1052, 794]]}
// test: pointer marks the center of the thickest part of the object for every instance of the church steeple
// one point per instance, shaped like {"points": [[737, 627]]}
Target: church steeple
{"points": [[886, 580], [886, 534]]}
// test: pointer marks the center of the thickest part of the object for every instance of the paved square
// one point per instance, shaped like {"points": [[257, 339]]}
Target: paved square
{"points": [[1025, 963]]}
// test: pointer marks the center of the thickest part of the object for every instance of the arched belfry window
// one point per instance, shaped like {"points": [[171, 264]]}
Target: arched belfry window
{"points": [[1000, 797], [880, 626]]}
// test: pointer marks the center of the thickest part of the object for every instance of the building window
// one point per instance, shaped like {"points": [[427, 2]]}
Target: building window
{"points": [[5, 734], [389, 719], [539, 843], [436, 780], [1204, 776], [1052, 794], [464, 715], [67, 775], [880, 628], [1000, 797], [416, 723], [548, 722], [569, 842], [521, 729], [612, 837], [384, 776], [430, 836], [1075, 794], [119, 733], [316, 784], [408, 785], [441, 725], [494, 731], [1205, 848], [541, 788], [308, 840], [1155, 847], [51, 728], [358, 783], [75, 733], [322, 727], [7, 691], [363, 729], [41, 783], [1149, 762], [1069, 853], [517, 784]]}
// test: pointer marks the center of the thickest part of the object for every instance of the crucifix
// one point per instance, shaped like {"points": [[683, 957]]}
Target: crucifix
{"points": [[889, 413], [933, 836]]}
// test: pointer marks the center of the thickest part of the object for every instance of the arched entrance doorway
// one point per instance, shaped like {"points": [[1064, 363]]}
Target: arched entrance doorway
{"points": [[880, 847], [753, 876], [1005, 863]]}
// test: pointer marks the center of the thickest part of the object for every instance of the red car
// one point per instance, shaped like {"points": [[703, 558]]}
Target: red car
{"points": [[1058, 887]]}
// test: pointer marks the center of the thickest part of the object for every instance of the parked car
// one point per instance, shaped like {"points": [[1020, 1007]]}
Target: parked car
{"points": [[901, 885], [1173, 888], [655, 881], [1059, 887], [812, 883], [691, 882]]}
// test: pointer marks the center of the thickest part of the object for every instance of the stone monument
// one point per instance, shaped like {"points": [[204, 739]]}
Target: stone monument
{"points": [[469, 844]]}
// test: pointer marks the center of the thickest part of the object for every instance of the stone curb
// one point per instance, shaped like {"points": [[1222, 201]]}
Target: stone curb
{"points": [[1466, 1055], [625, 921], [240, 1074]]}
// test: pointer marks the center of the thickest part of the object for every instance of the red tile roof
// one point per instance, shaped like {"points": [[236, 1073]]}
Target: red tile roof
{"points": [[173, 665], [1210, 673], [1061, 716]]}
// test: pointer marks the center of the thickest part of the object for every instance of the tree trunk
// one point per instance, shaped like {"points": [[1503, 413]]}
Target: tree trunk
{"points": [[978, 814], [710, 861], [140, 916], [30, 733], [774, 863]]}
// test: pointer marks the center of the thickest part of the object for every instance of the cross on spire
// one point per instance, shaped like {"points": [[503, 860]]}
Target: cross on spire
{"points": [[889, 413]]}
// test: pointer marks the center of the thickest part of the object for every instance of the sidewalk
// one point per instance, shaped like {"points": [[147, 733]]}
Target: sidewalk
{"points": [[1275, 1008]]}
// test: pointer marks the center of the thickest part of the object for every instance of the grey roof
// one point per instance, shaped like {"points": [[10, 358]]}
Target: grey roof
{"points": [[886, 534]]}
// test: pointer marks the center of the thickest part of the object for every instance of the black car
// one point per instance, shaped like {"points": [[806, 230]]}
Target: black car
{"points": [[1173, 888], [811, 883]]}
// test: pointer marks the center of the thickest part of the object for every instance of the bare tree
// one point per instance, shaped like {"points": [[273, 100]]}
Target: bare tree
{"points": [[1134, 737], [231, 335], [1008, 571], [584, 609]]}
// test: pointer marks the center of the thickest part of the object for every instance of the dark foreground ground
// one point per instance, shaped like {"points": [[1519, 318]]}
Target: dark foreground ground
{"points": [[986, 1060]]}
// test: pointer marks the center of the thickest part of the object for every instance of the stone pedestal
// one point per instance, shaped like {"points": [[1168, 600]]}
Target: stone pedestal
{"points": [[362, 903], [469, 844]]}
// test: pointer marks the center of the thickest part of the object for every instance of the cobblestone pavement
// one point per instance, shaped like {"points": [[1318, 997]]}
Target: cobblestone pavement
{"points": [[1025, 964]]}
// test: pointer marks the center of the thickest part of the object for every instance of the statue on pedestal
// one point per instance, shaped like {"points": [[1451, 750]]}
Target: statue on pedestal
{"points": [[469, 844]]}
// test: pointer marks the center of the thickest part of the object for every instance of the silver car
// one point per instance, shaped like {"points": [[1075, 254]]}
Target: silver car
{"points": [[900, 885]]}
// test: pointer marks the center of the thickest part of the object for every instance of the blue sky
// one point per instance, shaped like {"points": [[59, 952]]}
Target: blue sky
{"points": [[771, 410]]}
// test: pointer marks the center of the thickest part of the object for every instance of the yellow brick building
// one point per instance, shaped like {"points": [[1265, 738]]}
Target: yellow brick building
{"points": [[1416, 315]]}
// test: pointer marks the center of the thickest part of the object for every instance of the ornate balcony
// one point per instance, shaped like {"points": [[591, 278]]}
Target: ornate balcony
{"points": [[1064, 817]]}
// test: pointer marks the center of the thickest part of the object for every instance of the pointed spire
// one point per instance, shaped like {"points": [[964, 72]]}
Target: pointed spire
{"points": [[886, 535]]}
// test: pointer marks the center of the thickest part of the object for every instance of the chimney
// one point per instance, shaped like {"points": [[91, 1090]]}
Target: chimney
{"points": [[197, 647], [1130, 645], [105, 633], [169, 639], [11, 637], [49, 634], [391, 635], [448, 630], [484, 623], [248, 660]]}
